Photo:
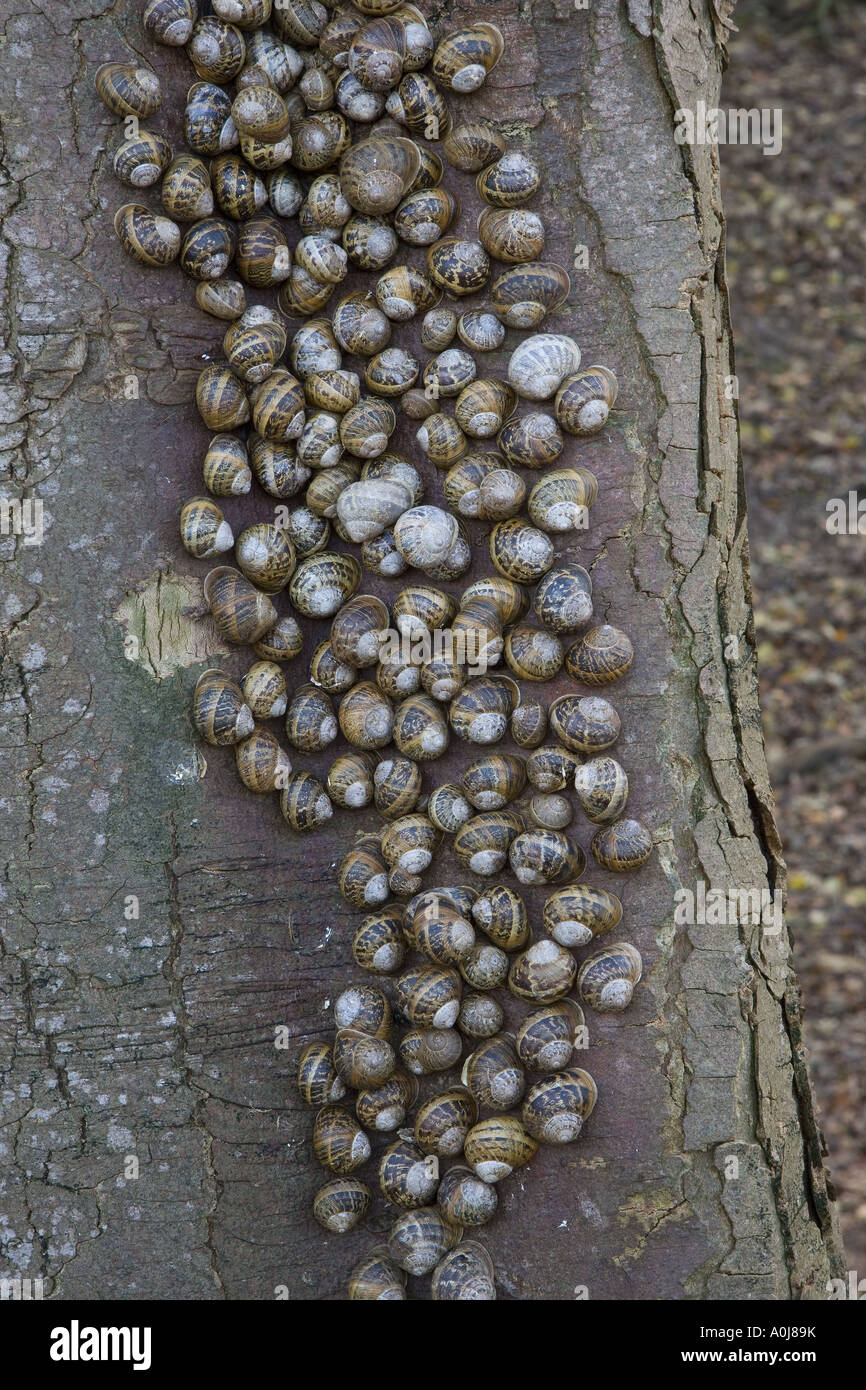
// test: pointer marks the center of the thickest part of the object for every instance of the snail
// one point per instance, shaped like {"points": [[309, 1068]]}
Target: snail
{"points": [[397, 678], [585, 724], [486, 966], [603, 654], [226, 470], [378, 944], [408, 1177], [529, 724], [277, 407], [221, 399], [366, 427], [266, 556], [419, 41], [422, 217], [443, 676], [482, 844], [496, 1146], [369, 242], [584, 400], [443, 1122], [263, 257], [385, 1107], [391, 372], [341, 1204], [304, 803], [238, 190], [501, 915], [438, 327], [439, 931], [448, 808], [419, 610], [204, 530], [480, 1016], [560, 501], [318, 141], [339, 1142], [429, 996], [318, 1082], [490, 782], [425, 536], [362, 876], [551, 768], [602, 787], [377, 1278], [532, 653], [464, 1199], [464, 1275], [219, 711], [350, 780], [512, 180], [546, 971], [223, 298], [480, 486], [459, 898], [254, 344], [471, 145], [361, 1060], [129, 89], [480, 330], [299, 21], [355, 630], [418, 104], [282, 642], [493, 1074], [276, 467], [563, 599], [525, 294], [449, 373], [430, 171], [263, 155], [140, 159], [323, 582], [483, 407], [285, 193], [378, 172], [240, 611], [404, 291], [480, 712], [550, 811], [366, 717], [336, 391], [280, 61], [442, 440], [424, 1051], [321, 258], [520, 552], [265, 690], [319, 444], [147, 236], [207, 122], [332, 675], [323, 492], [409, 843], [420, 1238], [314, 349], [533, 441], [507, 597], [170, 21], [557, 1107], [575, 915], [260, 111], [325, 202], [302, 295], [317, 89], [513, 235], [216, 50], [622, 846], [365, 1008], [376, 54], [186, 189], [546, 1039], [545, 856], [465, 57], [420, 731], [458, 265], [538, 366], [397, 787], [396, 468], [356, 101]]}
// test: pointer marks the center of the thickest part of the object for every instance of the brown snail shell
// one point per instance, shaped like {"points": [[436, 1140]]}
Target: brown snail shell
{"points": [[551, 768], [361, 1060], [409, 843], [216, 50], [253, 345], [323, 492], [607, 978], [223, 298], [602, 787], [339, 1142], [241, 612], [265, 690], [321, 258], [314, 349], [422, 217], [238, 190], [363, 1007], [355, 630], [418, 104], [533, 441], [420, 731], [480, 1016], [285, 193], [560, 501], [350, 780], [540, 363], [480, 486], [508, 598], [551, 811], [325, 200], [317, 89], [219, 711], [557, 1106], [602, 654], [186, 189], [299, 21], [529, 724], [204, 530], [355, 100], [586, 724], [519, 551], [442, 440], [623, 846], [310, 722], [377, 1278], [376, 54], [265, 554], [584, 400], [429, 996], [378, 944], [466, 56], [493, 780], [512, 180], [438, 325], [207, 248], [146, 236], [480, 712], [304, 803], [318, 141], [276, 466], [501, 914], [496, 1146], [480, 330], [277, 407], [366, 428], [420, 1238], [208, 125], [369, 242], [464, 1199], [282, 642], [458, 265], [404, 291], [329, 673], [170, 21], [397, 787], [513, 235], [318, 1082], [424, 1051], [408, 1177], [420, 609], [546, 972], [438, 930], [377, 173], [323, 582], [263, 155], [366, 716], [546, 1039], [391, 372], [482, 408], [444, 1120], [263, 257], [563, 599], [448, 808], [319, 444], [464, 1275], [575, 915], [545, 856], [524, 295], [472, 145], [139, 160], [532, 653], [493, 1074], [449, 373], [443, 676], [226, 469], [362, 877], [386, 1107], [129, 89], [246, 14], [341, 1204], [260, 111], [335, 391], [397, 678], [482, 844]]}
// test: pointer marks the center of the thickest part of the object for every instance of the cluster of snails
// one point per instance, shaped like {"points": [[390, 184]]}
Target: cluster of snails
{"points": [[309, 135]]}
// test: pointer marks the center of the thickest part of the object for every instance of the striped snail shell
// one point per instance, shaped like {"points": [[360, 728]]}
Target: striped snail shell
{"points": [[545, 856], [425, 215], [407, 1176], [376, 54], [265, 554], [299, 21], [350, 780], [602, 654], [409, 843], [442, 440], [362, 1060], [546, 971], [204, 530], [280, 61], [246, 14], [418, 610], [323, 582], [263, 256], [378, 944], [329, 673], [254, 344], [355, 630], [438, 326], [460, 898], [341, 1203], [444, 1120], [584, 401], [397, 678], [419, 41], [129, 89], [493, 780], [480, 330], [532, 653], [424, 1051], [226, 469], [551, 768], [265, 690], [321, 259], [418, 104], [223, 298], [602, 787], [483, 407], [501, 914], [323, 491], [623, 846], [377, 1278], [471, 145], [147, 236], [391, 372], [319, 442], [425, 535], [336, 391], [216, 50], [525, 294], [186, 189], [219, 712], [480, 1016], [480, 486], [140, 159], [464, 1275], [560, 501], [606, 979], [493, 1074], [458, 265], [285, 193], [339, 1142], [442, 676], [546, 1039], [512, 180], [318, 1082], [519, 551], [420, 731], [480, 712], [325, 201], [404, 291], [208, 125], [466, 56], [464, 1199], [429, 996], [360, 326], [363, 1007], [575, 915], [366, 716], [384, 1108], [539, 365], [377, 173], [550, 811], [430, 171], [496, 1146], [208, 247], [237, 188], [563, 599], [397, 787], [302, 295], [318, 141], [277, 468], [529, 724], [369, 242], [448, 808], [355, 100], [263, 155], [170, 21], [362, 876], [310, 722], [482, 844], [438, 931], [585, 724], [283, 642], [366, 428], [277, 406], [510, 601], [533, 441], [557, 1107], [241, 612], [260, 111], [420, 1238], [314, 349], [511, 234], [449, 373]]}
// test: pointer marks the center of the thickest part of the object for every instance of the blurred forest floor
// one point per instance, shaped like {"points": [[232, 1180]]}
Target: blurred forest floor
{"points": [[797, 271]]}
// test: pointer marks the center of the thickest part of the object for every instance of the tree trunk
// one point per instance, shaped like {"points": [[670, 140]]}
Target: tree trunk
{"points": [[160, 924]]}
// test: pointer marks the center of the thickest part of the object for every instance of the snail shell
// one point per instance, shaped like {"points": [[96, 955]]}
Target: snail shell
{"points": [[443, 676], [546, 971], [246, 14], [420, 1238], [360, 326], [304, 803], [466, 56], [265, 690], [509, 600], [325, 201], [575, 915], [280, 61], [218, 709], [397, 678], [329, 673], [623, 846], [314, 349], [365, 1008], [317, 89], [545, 856], [170, 21], [602, 655], [186, 189], [263, 256], [378, 944], [308, 531], [277, 406], [602, 787], [339, 1142], [366, 716], [533, 441], [362, 1061], [224, 299], [482, 844], [560, 501], [584, 401], [480, 1016], [524, 295], [282, 642], [240, 611], [253, 345], [310, 722], [425, 536], [277, 469], [490, 782], [319, 140], [540, 364], [448, 808], [323, 582], [419, 610], [336, 391], [369, 242], [472, 145], [366, 428], [607, 978], [207, 248], [397, 783], [285, 193], [323, 492], [464, 1275], [204, 530], [350, 780], [319, 443], [266, 556], [404, 291], [512, 180], [563, 599], [551, 768], [437, 930], [362, 877], [438, 325], [356, 101], [480, 330], [483, 407], [355, 630], [501, 914], [216, 50], [546, 1039], [585, 725], [409, 843], [429, 996], [226, 469], [377, 1278], [493, 1074], [318, 1082], [263, 155], [376, 54], [442, 440], [407, 1176], [419, 41], [557, 1106], [532, 653], [237, 188], [146, 236], [341, 1204], [513, 235], [261, 112], [385, 1108], [424, 216], [480, 712], [418, 104], [529, 724], [458, 265], [519, 551], [424, 1051], [391, 372], [496, 1146], [299, 21], [479, 486], [129, 89], [301, 294], [140, 159], [420, 731], [430, 171], [444, 1120], [551, 811], [464, 1199], [378, 172], [321, 258], [208, 125]]}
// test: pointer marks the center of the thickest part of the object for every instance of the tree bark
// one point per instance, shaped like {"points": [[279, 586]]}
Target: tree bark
{"points": [[160, 923]]}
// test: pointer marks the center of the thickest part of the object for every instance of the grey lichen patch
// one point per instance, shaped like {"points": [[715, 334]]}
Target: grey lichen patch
{"points": [[164, 629]]}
